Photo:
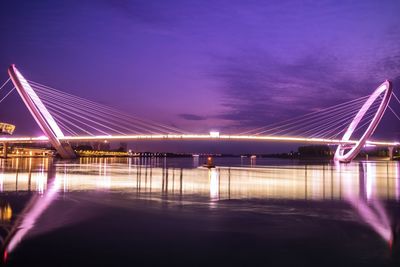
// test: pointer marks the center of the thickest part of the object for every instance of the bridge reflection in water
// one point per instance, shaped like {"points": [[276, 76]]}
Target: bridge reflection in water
{"points": [[362, 185], [311, 182]]}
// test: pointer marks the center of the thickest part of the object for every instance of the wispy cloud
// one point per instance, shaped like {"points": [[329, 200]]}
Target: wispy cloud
{"points": [[258, 88], [192, 117]]}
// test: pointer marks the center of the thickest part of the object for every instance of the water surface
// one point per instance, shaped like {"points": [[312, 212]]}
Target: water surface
{"points": [[165, 211]]}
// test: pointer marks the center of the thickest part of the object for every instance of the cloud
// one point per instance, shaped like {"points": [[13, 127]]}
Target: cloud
{"points": [[192, 117], [258, 89]]}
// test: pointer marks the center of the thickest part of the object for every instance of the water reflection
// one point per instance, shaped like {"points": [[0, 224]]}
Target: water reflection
{"points": [[5, 212], [196, 161], [35, 208], [366, 203], [213, 175], [369, 180], [363, 185]]}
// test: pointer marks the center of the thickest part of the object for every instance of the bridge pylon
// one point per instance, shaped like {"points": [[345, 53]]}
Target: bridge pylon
{"points": [[346, 154], [40, 113]]}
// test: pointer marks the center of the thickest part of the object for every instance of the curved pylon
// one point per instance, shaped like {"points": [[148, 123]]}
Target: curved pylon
{"points": [[40, 113], [341, 154]]}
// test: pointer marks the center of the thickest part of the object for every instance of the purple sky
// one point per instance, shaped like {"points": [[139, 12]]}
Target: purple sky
{"points": [[202, 65]]}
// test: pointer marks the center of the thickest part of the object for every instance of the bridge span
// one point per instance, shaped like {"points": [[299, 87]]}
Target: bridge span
{"points": [[57, 112], [193, 137]]}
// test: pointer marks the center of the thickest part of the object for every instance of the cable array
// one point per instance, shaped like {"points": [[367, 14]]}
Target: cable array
{"points": [[327, 123], [78, 116], [9, 92], [5, 83], [391, 109]]}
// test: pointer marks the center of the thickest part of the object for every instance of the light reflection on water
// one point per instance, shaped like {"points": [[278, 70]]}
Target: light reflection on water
{"points": [[361, 184], [307, 182]]}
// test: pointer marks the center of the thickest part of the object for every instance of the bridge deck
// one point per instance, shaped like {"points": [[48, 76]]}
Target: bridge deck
{"points": [[194, 137]]}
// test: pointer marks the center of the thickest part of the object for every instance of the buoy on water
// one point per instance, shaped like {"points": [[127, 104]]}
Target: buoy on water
{"points": [[209, 163]]}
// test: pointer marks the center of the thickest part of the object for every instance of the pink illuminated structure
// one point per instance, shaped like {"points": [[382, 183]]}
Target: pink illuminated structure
{"points": [[341, 154], [346, 151], [40, 113]]}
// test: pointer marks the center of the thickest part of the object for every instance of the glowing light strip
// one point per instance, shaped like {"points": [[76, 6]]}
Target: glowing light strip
{"points": [[303, 117], [222, 137], [99, 112], [77, 112], [308, 121], [341, 154], [12, 90], [334, 135], [80, 110], [108, 109], [194, 137], [49, 101], [326, 127], [39, 112], [4, 84], [24, 139], [39, 104]]}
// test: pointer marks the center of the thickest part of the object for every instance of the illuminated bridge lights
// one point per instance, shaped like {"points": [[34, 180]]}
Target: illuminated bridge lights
{"points": [[40, 113], [195, 137], [346, 151], [343, 154]]}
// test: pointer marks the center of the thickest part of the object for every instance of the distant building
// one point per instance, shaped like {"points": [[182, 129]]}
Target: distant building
{"points": [[6, 128], [31, 152]]}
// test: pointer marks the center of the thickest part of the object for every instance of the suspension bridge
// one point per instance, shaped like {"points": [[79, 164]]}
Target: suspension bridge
{"points": [[65, 118]]}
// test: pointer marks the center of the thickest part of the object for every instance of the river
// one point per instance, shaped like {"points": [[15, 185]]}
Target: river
{"points": [[173, 211]]}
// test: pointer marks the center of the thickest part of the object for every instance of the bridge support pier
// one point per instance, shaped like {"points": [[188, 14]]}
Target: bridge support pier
{"points": [[390, 152], [5, 147]]}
